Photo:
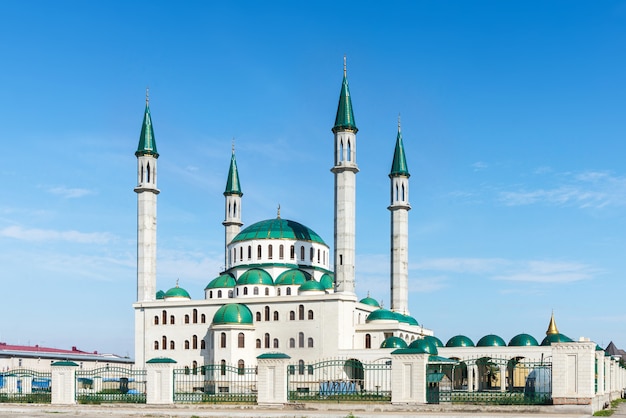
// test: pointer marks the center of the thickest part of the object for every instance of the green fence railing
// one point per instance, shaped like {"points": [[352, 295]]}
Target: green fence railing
{"points": [[216, 383]]}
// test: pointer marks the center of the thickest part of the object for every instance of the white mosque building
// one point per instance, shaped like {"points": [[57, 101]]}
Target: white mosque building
{"points": [[283, 290]]}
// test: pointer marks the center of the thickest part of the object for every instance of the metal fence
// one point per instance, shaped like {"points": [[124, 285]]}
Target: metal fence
{"points": [[216, 383], [25, 386], [340, 380], [111, 385]]}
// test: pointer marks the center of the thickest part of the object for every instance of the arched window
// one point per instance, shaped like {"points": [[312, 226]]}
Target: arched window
{"points": [[240, 253], [341, 150], [223, 340], [234, 255], [301, 312], [396, 196], [278, 291], [258, 316], [275, 315], [267, 291], [164, 342], [223, 367], [324, 257], [203, 319], [267, 313], [195, 316], [318, 255], [310, 314], [302, 253], [172, 320], [311, 252], [267, 340], [258, 343], [241, 340], [230, 293], [292, 252], [258, 252], [156, 319], [202, 345], [148, 172], [292, 316], [156, 345], [301, 367], [301, 339], [172, 345], [186, 344], [186, 319], [241, 366], [186, 369], [245, 290], [194, 343], [234, 208], [249, 252], [310, 341], [292, 343], [275, 342], [219, 293], [368, 341], [403, 191], [281, 251], [210, 294], [270, 251], [142, 170], [288, 291], [349, 151], [255, 291], [194, 367], [164, 315]]}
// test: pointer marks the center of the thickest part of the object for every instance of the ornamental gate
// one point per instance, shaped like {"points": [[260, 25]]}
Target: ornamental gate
{"points": [[340, 380], [111, 384], [25, 386], [216, 383]]}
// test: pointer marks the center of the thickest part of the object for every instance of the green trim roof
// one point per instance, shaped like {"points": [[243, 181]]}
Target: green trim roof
{"points": [[393, 342], [292, 277], [491, 340], [273, 356], [176, 292], [233, 313], [523, 340], [278, 228], [459, 341], [161, 360], [232, 182], [255, 276], [344, 121], [223, 281], [147, 143], [399, 167], [64, 364]]}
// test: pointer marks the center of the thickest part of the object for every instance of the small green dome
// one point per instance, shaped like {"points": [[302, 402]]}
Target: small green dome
{"points": [[407, 319], [556, 338], [427, 346], [370, 301], [176, 292], [393, 342], [459, 341], [434, 340], [233, 313], [523, 340], [381, 315], [278, 229], [292, 277], [312, 285], [160, 294], [224, 280], [491, 340], [255, 276], [327, 281]]}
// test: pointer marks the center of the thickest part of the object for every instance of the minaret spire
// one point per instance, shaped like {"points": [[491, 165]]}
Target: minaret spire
{"points": [[399, 208], [232, 221], [345, 170], [552, 329]]}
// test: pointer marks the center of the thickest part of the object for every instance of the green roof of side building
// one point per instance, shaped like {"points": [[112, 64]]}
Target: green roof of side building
{"points": [[399, 166], [522, 340], [344, 121], [278, 229], [491, 340], [233, 313], [232, 183], [147, 143]]}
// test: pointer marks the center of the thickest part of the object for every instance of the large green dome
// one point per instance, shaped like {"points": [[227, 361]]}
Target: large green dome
{"points": [[292, 277], [255, 276], [381, 315], [393, 342], [434, 340], [491, 340], [233, 313], [523, 340], [224, 280], [556, 338], [278, 229], [459, 341]]}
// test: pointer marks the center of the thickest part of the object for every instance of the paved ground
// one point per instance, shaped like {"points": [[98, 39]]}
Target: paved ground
{"points": [[193, 411]]}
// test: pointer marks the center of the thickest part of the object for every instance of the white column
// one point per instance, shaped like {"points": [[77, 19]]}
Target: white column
{"points": [[408, 378], [64, 383], [160, 381], [272, 379]]}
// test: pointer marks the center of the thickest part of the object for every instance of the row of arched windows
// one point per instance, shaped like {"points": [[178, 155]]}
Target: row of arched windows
{"points": [[266, 341], [241, 368], [345, 153], [163, 344], [146, 174], [265, 315], [219, 294], [193, 318], [239, 251], [301, 340]]}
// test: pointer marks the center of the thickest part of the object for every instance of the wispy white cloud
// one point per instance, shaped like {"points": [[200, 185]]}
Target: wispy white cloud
{"points": [[69, 193], [460, 265], [41, 235], [479, 166]]}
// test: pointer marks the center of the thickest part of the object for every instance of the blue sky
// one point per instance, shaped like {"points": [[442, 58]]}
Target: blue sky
{"points": [[514, 123]]}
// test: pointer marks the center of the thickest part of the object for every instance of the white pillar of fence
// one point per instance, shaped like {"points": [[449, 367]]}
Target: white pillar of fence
{"points": [[64, 382], [160, 381], [408, 376], [272, 378], [573, 373]]}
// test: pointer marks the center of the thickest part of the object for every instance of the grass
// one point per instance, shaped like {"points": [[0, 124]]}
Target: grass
{"points": [[609, 411]]}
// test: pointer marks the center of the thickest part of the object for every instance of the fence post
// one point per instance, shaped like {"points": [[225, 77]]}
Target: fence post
{"points": [[160, 381], [272, 379], [573, 373], [64, 383], [408, 376]]}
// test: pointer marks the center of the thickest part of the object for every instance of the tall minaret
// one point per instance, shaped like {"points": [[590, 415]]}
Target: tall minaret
{"points": [[345, 170], [146, 209], [399, 208], [232, 221]]}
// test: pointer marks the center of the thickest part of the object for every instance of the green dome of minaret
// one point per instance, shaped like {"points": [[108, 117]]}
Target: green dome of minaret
{"points": [[232, 183], [344, 121], [399, 167], [147, 143]]}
